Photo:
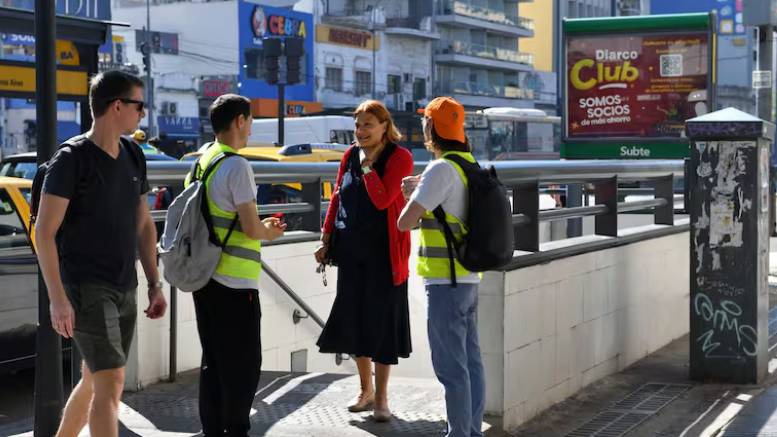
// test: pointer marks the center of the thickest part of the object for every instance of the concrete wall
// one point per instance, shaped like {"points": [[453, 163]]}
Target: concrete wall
{"points": [[545, 330], [294, 263], [572, 321]]}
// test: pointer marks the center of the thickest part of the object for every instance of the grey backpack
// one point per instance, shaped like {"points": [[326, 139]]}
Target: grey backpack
{"points": [[189, 247]]}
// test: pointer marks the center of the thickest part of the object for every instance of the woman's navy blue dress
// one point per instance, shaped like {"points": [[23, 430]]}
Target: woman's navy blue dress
{"points": [[370, 315]]}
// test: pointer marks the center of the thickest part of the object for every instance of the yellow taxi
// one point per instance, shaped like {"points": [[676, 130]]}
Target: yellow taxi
{"points": [[290, 153], [15, 212], [289, 192], [19, 276]]}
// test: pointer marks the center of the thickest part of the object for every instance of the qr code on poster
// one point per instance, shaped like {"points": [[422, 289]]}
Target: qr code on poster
{"points": [[671, 65]]}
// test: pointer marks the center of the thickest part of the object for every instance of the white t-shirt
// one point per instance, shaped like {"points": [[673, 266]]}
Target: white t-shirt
{"points": [[231, 185], [441, 184]]}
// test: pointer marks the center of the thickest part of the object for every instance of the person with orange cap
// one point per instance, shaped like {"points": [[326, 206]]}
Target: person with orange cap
{"points": [[453, 298]]}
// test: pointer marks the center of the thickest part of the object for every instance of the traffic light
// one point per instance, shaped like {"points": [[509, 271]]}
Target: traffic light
{"points": [[272, 51], [31, 134], [295, 50], [146, 51]]}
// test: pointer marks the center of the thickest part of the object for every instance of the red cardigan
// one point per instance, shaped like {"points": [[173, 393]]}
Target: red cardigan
{"points": [[386, 194]]}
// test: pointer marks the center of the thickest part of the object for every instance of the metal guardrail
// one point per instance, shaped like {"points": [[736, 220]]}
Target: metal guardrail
{"points": [[172, 173], [523, 177], [526, 180]]}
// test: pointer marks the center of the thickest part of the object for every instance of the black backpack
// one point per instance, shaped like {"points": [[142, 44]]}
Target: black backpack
{"points": [[75, 145], [489, 243]]}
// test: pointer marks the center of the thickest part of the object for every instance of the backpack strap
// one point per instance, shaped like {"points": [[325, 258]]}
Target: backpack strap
{"points": [[439, 214], [204, 205], [196, 169]]}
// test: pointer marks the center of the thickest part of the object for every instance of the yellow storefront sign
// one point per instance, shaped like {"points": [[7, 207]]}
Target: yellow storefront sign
{"points": [[347, 37], [67, 53], [22, 79]]}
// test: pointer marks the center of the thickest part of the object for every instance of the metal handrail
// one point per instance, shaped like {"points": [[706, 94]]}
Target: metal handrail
{"points": [[576, 212], [293, 295], [172, 173]]}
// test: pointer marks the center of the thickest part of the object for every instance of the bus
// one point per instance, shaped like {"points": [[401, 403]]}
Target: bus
{"points": [[303, 130], [503, 133]]}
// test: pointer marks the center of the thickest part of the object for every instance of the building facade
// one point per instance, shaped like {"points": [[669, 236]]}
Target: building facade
{"points": [[736, 53], [373, 49], [200, 50], [478, 59]]}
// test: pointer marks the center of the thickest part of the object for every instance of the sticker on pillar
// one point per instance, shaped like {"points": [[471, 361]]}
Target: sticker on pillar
{"points": [[731, 164], [704, 170], [725, 228]]}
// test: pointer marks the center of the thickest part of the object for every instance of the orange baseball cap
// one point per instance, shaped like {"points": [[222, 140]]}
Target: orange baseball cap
{"points": [[448, 116]]}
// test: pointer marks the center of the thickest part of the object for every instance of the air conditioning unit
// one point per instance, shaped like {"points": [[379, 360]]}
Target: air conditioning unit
{"points": [[169, 108]]}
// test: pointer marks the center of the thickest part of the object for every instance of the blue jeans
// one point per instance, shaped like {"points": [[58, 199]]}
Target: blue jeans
{"points": [[453, 339]]}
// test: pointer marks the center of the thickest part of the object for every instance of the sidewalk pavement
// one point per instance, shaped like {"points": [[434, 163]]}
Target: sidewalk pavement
{"points": [[286, 405], [700, 409]]}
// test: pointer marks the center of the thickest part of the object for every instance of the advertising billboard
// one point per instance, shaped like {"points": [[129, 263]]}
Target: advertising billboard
{"points": [[635, 86], [628, 94]]}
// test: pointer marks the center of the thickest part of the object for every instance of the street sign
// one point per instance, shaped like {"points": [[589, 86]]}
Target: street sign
{"points": [[762, 79], [18, 78]]}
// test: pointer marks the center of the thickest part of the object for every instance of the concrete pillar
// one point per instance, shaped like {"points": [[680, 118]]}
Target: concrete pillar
{"points": [[729, 183]]}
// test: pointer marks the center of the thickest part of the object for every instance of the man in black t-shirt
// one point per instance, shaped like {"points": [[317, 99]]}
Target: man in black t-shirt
{"points": [[92, 221]]}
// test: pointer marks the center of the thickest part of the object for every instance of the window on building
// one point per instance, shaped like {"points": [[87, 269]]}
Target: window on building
{"points": [[419, 89], [394, 84], [363, 83], [254, 64], [572, 9], [334, 78]]}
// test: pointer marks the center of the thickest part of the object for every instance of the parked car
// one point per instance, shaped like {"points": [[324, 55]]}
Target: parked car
{"points": [[19, 277], [291, 153], [24, 165], [20, 165], [287, 192]]}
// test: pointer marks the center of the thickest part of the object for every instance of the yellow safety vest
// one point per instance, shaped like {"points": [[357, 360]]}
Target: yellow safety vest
{"points": [[241, 257], [433, 261]]}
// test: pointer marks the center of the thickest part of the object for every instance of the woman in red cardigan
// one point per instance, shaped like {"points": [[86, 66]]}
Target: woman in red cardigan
{"points": [[369, 318]]}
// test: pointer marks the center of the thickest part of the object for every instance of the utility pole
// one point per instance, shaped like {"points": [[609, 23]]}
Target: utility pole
{"points": [[49, 397], [374, 49], [149, 83], [433, 69]]}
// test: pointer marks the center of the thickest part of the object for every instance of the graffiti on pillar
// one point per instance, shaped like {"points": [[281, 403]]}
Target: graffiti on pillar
{"points": [[723, 320]]}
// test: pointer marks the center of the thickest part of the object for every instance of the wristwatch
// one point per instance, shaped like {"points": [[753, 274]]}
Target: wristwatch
{"points": [[157, 284], [366, 169]]}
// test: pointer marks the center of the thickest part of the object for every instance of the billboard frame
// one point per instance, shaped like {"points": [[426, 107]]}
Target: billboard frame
{"points": [[659, 147]]}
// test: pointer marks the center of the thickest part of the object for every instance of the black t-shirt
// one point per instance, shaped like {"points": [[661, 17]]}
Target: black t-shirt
{"points": [[97, 241]]}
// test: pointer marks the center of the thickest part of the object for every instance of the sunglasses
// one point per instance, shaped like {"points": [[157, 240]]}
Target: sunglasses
{"points": [[141, 104]]}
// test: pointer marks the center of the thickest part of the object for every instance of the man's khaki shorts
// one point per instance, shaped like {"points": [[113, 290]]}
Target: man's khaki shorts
{"points": [[105, 324]]}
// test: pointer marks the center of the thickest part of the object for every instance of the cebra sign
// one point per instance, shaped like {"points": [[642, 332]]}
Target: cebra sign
{"points": [[609, 69], [634, 152], [264, 24]]}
